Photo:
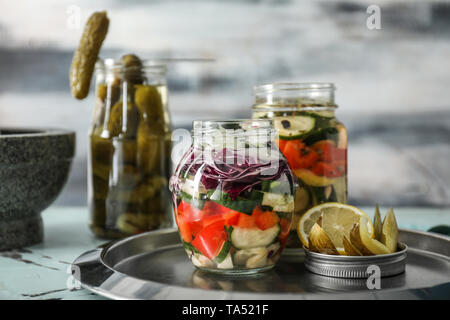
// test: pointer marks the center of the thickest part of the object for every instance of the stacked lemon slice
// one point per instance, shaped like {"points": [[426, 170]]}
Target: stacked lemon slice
{"points": [[336, 228]]}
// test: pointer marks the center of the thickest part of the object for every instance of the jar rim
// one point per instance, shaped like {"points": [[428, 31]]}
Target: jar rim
{"points": [[294, 86], [148, 65], [254, 123]]}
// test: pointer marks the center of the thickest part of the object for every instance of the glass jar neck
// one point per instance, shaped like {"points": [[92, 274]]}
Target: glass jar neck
{"points": [[295, 96], [146, 72]]}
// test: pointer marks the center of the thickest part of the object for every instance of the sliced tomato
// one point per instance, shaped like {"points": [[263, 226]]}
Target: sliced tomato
{"points": [[189, 212], [325, 169], [325, 149], [185, 230], [257, 211], [231, 217], [211, 239], [211, 208], [281, 144], [214, 211], [245, 221], [266, 220], [340, 154], [285, 225], [210, 219], [299, 156], [341, 167]]}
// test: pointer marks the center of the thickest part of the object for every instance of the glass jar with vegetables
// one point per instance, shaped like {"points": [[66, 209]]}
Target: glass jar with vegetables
{"points": [[129, 149], [313, 141], [233, 197]]}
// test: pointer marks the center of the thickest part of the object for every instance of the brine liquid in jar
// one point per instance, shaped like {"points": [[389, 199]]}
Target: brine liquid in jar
{"points": [[233, 196], [129, 149], [311, 138]]}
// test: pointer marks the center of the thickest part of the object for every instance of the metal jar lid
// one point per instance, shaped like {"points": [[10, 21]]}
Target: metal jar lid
{"points": [[356, 266]]}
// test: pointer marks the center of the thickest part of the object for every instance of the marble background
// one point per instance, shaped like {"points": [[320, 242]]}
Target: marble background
{"points": [[393, 83]]}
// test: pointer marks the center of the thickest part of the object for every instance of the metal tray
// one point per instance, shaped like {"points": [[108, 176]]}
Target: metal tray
{"points": [[154, 265]]}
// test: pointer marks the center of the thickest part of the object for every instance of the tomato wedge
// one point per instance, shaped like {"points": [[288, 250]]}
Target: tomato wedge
{"points": [[281, 144], [325, 149], [326, 169], [189, 212], [299, 156], [245, 221], [211, 239], [340, 154], [266, 220], [285, 225]]}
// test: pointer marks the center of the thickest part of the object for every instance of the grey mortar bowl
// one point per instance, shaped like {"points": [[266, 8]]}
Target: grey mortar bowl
{"points": [[34, 166]]}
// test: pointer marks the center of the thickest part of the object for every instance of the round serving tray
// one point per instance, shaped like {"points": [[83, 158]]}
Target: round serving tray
{"points": [[154, 265]]}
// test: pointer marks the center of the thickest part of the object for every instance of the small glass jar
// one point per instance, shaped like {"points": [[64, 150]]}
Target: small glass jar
{"points": [[129, 149], [233, 197], [311, 138]]}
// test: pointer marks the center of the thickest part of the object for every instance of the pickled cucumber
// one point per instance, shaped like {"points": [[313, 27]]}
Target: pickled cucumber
{"points": [[114, 93], [130, 155], [117, 124], [85, 56], [149, 103], [150, 148]]}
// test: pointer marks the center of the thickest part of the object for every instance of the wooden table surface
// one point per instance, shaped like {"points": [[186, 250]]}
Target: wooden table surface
{"points": [[42, 271]]}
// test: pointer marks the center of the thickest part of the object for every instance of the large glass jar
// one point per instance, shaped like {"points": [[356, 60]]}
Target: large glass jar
{"points": [[311, 138], [129, 149], [233, 197]]}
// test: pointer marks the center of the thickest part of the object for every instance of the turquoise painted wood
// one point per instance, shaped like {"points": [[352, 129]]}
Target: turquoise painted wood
{"points": [[42, 271]]}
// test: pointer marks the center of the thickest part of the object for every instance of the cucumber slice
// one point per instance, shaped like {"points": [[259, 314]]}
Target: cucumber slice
{"points": [[224, 252], [279, 202], [329, 133], [191, 188], [328, 114], [323, 194], [196, 202], [277, 186], [245, 203], [310, 179], [302, 199], [227, 262], [189, 194], [244, 238], [189, 247], [294, 127]]}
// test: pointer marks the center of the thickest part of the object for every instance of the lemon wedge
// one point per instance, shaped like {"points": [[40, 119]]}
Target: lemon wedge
{"points": [[349, 248], [389, 231], [377, 223], [337, 221], [320, 242], [362, 239]]}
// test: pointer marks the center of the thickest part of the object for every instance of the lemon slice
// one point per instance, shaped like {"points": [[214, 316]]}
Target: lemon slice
{"points": [[337, 221], [313, 180]]}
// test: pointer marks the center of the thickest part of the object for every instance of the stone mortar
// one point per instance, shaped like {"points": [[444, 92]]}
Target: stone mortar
{"points": [[34, 166]]}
